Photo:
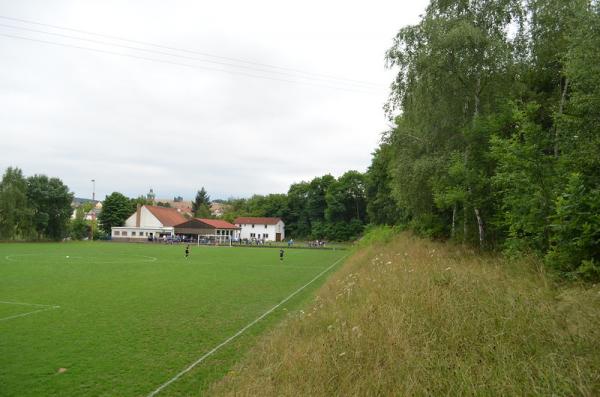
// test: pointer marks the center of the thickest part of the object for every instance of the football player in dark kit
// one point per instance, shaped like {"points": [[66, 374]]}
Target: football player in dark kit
{"points": [[281, 254]]}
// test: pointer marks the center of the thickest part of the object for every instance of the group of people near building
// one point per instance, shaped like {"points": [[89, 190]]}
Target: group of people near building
{"points": [[316, 244]]}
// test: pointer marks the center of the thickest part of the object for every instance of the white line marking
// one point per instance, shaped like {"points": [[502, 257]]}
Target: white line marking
{"points": [[27, 304], [89, 259], [241, 331], [281, 266], [45, 308]]}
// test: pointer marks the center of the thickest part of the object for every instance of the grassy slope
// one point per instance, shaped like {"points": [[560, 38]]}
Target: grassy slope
{"points": [[126, 325], [413, 317]]}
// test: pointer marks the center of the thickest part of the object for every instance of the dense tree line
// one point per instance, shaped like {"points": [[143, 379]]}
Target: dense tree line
{"points": [[324, 208], [33, 208], [496, 138]]}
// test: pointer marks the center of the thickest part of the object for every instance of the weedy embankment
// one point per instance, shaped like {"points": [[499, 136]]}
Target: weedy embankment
{"points": [[413, 317]]}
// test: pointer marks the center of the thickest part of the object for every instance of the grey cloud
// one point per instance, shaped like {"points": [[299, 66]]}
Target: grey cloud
{"points": [[133, 124]]}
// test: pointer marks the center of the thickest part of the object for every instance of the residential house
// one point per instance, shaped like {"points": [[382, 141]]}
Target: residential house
{"points": [[268, 229]]}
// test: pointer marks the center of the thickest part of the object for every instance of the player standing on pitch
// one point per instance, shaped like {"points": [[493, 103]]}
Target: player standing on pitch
{"points": [[281, 254], [187, 251]]}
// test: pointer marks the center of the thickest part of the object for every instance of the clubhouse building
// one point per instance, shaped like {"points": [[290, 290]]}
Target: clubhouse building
{"points": [[151, 222], [202, 227]]}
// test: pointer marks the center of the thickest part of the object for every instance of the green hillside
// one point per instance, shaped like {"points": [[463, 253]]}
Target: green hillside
{"points": [[411, 317]]}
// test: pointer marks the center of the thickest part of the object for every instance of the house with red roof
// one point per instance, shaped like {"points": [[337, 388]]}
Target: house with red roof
{"points": [[149, 222], [257, 228]]}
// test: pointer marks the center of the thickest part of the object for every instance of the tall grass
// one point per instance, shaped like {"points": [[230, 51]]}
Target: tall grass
{"points": [[413, 317]]}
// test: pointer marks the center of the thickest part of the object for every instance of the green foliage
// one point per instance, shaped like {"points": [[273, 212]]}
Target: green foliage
{"points": [[141, 201], [525, 181], [580, 125], [36, 207], [201, 204], [78, 227], [50, 201], [272, 205], [378, 234], [316, 201], [116, 208], [575, 241], [15, 213], [499, 103], [325, 208], [428, 225], [378, 188], [453, 67], [337, 231], [203, 211], [345, 198], [298, 219]]}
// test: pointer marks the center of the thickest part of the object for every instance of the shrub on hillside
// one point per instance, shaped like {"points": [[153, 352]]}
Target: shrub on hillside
{"points": [[575, 242]]}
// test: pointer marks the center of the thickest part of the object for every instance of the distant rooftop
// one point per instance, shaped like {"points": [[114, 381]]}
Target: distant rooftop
{"points": [[248, 220]]}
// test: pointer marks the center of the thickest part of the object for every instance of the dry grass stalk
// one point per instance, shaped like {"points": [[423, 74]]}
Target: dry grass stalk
{"points": [[413, 317]]}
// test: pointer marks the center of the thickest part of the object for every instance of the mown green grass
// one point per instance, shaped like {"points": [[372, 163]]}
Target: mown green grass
{"points": [[132, 316]]}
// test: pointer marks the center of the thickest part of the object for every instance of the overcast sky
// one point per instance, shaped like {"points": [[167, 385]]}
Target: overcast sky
{"points": [[240, 97]]}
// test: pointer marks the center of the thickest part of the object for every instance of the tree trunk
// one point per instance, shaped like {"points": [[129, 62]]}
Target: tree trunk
{"points": [[475, 115], [453, 231], [561, 107], [465, 228], [477, 93], [480, 225]]}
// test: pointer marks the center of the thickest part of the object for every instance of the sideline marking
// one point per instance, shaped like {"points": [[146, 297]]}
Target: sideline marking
{"points": [[44, 308], [241, 331], [88, 259]]}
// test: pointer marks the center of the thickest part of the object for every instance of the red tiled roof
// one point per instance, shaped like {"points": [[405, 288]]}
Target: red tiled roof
{"points": [[247, 220], [166, 216], [217, 223]]}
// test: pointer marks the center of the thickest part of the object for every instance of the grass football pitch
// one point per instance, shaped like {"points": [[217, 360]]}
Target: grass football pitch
{"points": [[110, 319]]}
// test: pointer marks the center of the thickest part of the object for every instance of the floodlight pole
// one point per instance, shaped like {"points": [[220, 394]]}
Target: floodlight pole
{"points": [[94, 205]]}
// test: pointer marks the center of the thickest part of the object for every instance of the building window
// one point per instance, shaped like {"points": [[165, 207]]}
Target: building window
{"points": [[252, 226], [133, 233], [117, 233], [124, 233], [252, 235], [265, 226], [265, 235]]}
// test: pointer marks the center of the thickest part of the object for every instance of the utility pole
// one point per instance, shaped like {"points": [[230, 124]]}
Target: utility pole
{"points": [[94, 206]]}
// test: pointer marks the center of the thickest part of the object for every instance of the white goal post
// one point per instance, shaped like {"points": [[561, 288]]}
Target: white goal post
{"points": [[214, 239]]}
